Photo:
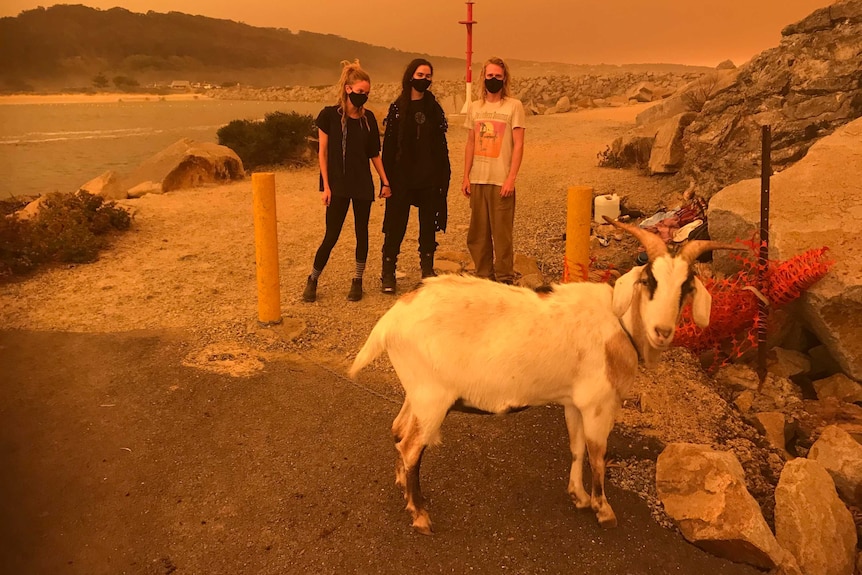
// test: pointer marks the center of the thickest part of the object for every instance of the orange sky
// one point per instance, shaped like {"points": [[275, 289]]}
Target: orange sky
{"points": [[576, 31]]}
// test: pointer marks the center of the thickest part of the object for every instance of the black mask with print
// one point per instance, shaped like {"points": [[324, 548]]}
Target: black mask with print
{"points": [[357, 99], [493, 85]]}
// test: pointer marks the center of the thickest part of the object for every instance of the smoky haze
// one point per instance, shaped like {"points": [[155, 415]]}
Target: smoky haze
{"points": [[571, 31]]}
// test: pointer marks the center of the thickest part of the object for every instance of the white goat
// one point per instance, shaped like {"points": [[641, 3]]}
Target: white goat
{"points": [[461, 343]]}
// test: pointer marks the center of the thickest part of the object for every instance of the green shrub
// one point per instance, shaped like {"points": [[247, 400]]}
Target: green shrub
{"points": [[281, 138], [68, 228]]}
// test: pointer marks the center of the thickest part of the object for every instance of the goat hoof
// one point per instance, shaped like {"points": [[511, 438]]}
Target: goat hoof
{"points": [[608, 522], [422, 524], [581, 503]]}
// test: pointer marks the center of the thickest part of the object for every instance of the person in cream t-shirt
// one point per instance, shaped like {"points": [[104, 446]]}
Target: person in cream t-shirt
{"points": [[493, 154]]}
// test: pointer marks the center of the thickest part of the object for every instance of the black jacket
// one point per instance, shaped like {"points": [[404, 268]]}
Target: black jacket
{"points": [[441, 169]]}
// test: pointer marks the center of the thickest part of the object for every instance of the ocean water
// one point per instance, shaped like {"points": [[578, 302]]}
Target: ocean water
{"points": [[58, 147]]}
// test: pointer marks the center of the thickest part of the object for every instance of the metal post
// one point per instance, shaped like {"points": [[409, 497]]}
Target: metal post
{"points": [[266, 248], [469, 74], [577, 264], [763, 256]]}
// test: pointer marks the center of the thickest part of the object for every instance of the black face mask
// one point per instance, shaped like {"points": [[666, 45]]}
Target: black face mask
{"points": [[420, 84], [493, 85], [357, 99]]}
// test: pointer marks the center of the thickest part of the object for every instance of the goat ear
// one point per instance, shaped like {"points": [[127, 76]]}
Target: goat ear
{"points": [[701, 304], [623, 290]]}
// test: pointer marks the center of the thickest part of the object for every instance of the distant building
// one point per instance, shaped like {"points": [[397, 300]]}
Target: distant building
{"points": [[181, 85]]}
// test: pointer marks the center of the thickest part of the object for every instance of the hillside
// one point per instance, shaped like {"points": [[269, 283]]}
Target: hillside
{"points": [[66, 46]]}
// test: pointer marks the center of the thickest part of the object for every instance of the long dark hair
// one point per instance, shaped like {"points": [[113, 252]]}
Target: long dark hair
{"points": [[403, 100]]}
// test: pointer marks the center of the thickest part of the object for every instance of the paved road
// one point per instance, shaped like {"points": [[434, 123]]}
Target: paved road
{"points": [[114, 458]]}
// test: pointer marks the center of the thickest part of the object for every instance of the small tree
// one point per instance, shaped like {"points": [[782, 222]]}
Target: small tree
{"points": [[125, 83], [100, 81], [282, 138]]}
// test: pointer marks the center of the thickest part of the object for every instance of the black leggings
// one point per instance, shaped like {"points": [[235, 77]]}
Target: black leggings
{"points": [[336, 212]]}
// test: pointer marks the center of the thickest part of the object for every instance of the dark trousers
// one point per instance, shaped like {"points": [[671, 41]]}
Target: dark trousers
{"points": [[398, 215], [336, 212]]}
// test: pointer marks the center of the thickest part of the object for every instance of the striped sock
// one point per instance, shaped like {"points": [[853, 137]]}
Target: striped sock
{"points": [[315, 273], [360, 270]]}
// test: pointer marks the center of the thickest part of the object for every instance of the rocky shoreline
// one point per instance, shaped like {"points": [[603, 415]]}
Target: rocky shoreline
{"points": [[540, 94]]}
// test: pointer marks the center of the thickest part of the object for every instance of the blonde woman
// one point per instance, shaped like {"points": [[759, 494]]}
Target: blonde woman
{"points": [[492, 158], [349, 138]]}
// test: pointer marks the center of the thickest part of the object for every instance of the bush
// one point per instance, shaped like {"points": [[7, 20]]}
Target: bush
{"points": [[282, 138], [68, 228]]}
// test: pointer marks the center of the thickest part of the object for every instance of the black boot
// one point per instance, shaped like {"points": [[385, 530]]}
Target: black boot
{"points": [[387, 278], [426, 262], [310, 293], [355, 293]]}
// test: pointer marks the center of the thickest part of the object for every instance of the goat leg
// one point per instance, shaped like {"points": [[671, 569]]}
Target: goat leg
{"points": [[576, 490]]}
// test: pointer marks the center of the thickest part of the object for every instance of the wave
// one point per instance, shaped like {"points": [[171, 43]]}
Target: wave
{"points": [[47, 137]]}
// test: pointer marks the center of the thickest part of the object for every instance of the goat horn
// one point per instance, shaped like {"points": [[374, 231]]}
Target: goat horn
{"points": [[694, 248], [654, 245]]}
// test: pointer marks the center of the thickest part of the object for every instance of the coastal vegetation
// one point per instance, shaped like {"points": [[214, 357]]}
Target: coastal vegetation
{"points": [[280, 139], [67, 228]]}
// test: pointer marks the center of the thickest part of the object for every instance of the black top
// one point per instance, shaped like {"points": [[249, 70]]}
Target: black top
{"points": [[349, 172], [416, 159]]}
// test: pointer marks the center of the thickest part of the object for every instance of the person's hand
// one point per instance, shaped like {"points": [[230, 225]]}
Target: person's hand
{"points": [[508, 188], [385, 192], [327, 196], [465, 187]]}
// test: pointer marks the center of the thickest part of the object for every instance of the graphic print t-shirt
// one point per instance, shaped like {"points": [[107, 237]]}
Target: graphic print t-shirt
{"points": [[492, 125]]}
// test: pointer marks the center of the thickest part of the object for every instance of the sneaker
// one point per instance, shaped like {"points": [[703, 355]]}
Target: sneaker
{"points": [[310, 293], [388, 283], [355, 293]]}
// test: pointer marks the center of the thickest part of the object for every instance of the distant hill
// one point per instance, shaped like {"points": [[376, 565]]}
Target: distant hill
{"points": [[67, 46]]}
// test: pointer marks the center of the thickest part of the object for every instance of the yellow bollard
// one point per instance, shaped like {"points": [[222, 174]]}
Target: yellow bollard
{"points": [[266, 248], [577, 263]]}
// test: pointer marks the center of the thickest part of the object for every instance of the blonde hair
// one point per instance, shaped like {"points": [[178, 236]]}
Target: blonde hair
{"points": [[351, 73], [504, 93]]}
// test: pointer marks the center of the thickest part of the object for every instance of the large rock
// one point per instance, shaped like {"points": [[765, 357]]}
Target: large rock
{"points": [[107, 185], [841, 456], [704, 492], [187, 164], [667, 152], [811, 521], [816, 202], [805, 88]]}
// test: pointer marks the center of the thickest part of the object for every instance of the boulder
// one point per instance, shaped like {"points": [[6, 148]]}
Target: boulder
{"points": [[187, 164], [107, 185], [563, 104], [805, 88], [841, 456], [667, 152], [811, 521], [642, 92], [840, 387], [704, 492], [816, 202]]}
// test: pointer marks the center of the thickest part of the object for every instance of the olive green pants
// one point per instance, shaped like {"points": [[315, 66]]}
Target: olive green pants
{"points": [[489, 238]]}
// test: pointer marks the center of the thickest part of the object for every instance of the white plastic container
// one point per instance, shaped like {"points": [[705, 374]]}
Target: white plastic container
{"points": [[607, 205]]}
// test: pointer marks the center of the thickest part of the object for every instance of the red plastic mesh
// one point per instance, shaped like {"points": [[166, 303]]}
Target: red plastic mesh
{"points": [[734, 318]]}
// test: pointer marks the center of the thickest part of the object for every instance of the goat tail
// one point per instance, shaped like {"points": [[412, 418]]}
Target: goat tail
{"points": [[374, 346]]}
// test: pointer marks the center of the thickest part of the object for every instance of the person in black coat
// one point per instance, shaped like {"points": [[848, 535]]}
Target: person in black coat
{"points": [[416, 159]]}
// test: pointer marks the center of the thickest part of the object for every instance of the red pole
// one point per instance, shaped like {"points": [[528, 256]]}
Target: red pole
{"points": [[469, 23]]}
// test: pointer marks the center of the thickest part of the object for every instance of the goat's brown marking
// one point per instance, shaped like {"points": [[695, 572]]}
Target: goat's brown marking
{"points": [[621, 360], [409, 296]]}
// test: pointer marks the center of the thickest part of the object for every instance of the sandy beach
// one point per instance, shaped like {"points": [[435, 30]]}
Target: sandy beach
{"points": [[100, 97]]}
